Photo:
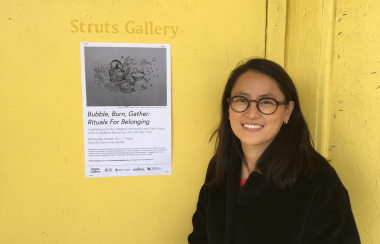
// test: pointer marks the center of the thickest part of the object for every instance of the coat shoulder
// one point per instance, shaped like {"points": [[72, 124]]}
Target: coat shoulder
{"points": [[328, 177]]}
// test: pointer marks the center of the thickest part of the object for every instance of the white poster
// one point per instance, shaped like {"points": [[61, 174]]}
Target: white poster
{"points": [[126, 109]]}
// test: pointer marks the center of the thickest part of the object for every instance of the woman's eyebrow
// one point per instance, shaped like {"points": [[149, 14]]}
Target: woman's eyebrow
{"points": [[243, 94], [266, 95], [260, 96]]}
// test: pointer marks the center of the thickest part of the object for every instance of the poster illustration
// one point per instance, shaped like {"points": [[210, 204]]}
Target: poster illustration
{"points": [[126, 109]]}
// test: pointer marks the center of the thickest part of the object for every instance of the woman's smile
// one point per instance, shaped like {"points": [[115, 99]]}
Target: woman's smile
{"points": [[253, 127]]}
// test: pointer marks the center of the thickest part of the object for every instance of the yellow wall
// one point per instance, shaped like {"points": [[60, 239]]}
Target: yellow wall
{"points": [[329, 47], [44, 195], [354, 110], [275, 31], [308, 61], [333, 54]]}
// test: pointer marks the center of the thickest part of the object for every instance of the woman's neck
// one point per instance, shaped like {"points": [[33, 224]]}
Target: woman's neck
{"points": [[252, 154]]}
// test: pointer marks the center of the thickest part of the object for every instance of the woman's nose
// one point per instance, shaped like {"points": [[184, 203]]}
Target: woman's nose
{"points": [[252, 111]]}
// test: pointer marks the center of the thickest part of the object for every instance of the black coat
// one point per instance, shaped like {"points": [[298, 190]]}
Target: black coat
{"points": [[309, 212]]}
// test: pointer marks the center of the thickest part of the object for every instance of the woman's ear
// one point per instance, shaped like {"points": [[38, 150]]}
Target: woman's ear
{"points": [[288, 110]]}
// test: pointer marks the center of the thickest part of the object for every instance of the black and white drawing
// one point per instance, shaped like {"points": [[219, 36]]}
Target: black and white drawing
{"points": [[125, 76]]}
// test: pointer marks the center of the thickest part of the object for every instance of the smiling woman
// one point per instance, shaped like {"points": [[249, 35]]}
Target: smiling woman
{"points": [[266, 182], [257, 126]]}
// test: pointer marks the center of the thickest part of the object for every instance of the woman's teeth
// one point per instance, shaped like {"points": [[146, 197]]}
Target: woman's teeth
{"points": [[252, 126]]}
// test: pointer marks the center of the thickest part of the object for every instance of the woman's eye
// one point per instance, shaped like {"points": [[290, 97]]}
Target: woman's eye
{"points": [[266, 102], [240, 100]]}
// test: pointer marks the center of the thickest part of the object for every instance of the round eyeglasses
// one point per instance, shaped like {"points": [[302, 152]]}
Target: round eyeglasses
{"points": [[266, 105]]}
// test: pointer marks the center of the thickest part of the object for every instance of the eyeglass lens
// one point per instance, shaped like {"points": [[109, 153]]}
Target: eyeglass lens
{"points": [[265, 105]]}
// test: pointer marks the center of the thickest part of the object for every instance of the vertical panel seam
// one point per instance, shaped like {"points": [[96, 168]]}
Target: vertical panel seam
{"points": [[326, 50], [266, 29], [286, 35]]}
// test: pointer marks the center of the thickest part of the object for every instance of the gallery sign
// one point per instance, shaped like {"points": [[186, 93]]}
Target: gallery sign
{"points": [[130, 27]]}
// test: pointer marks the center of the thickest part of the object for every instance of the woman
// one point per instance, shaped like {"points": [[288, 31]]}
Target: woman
{"points": [[266, 183]]}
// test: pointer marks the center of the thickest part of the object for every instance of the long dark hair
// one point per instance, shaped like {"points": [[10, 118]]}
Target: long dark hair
{"points": [[289, 155]]}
